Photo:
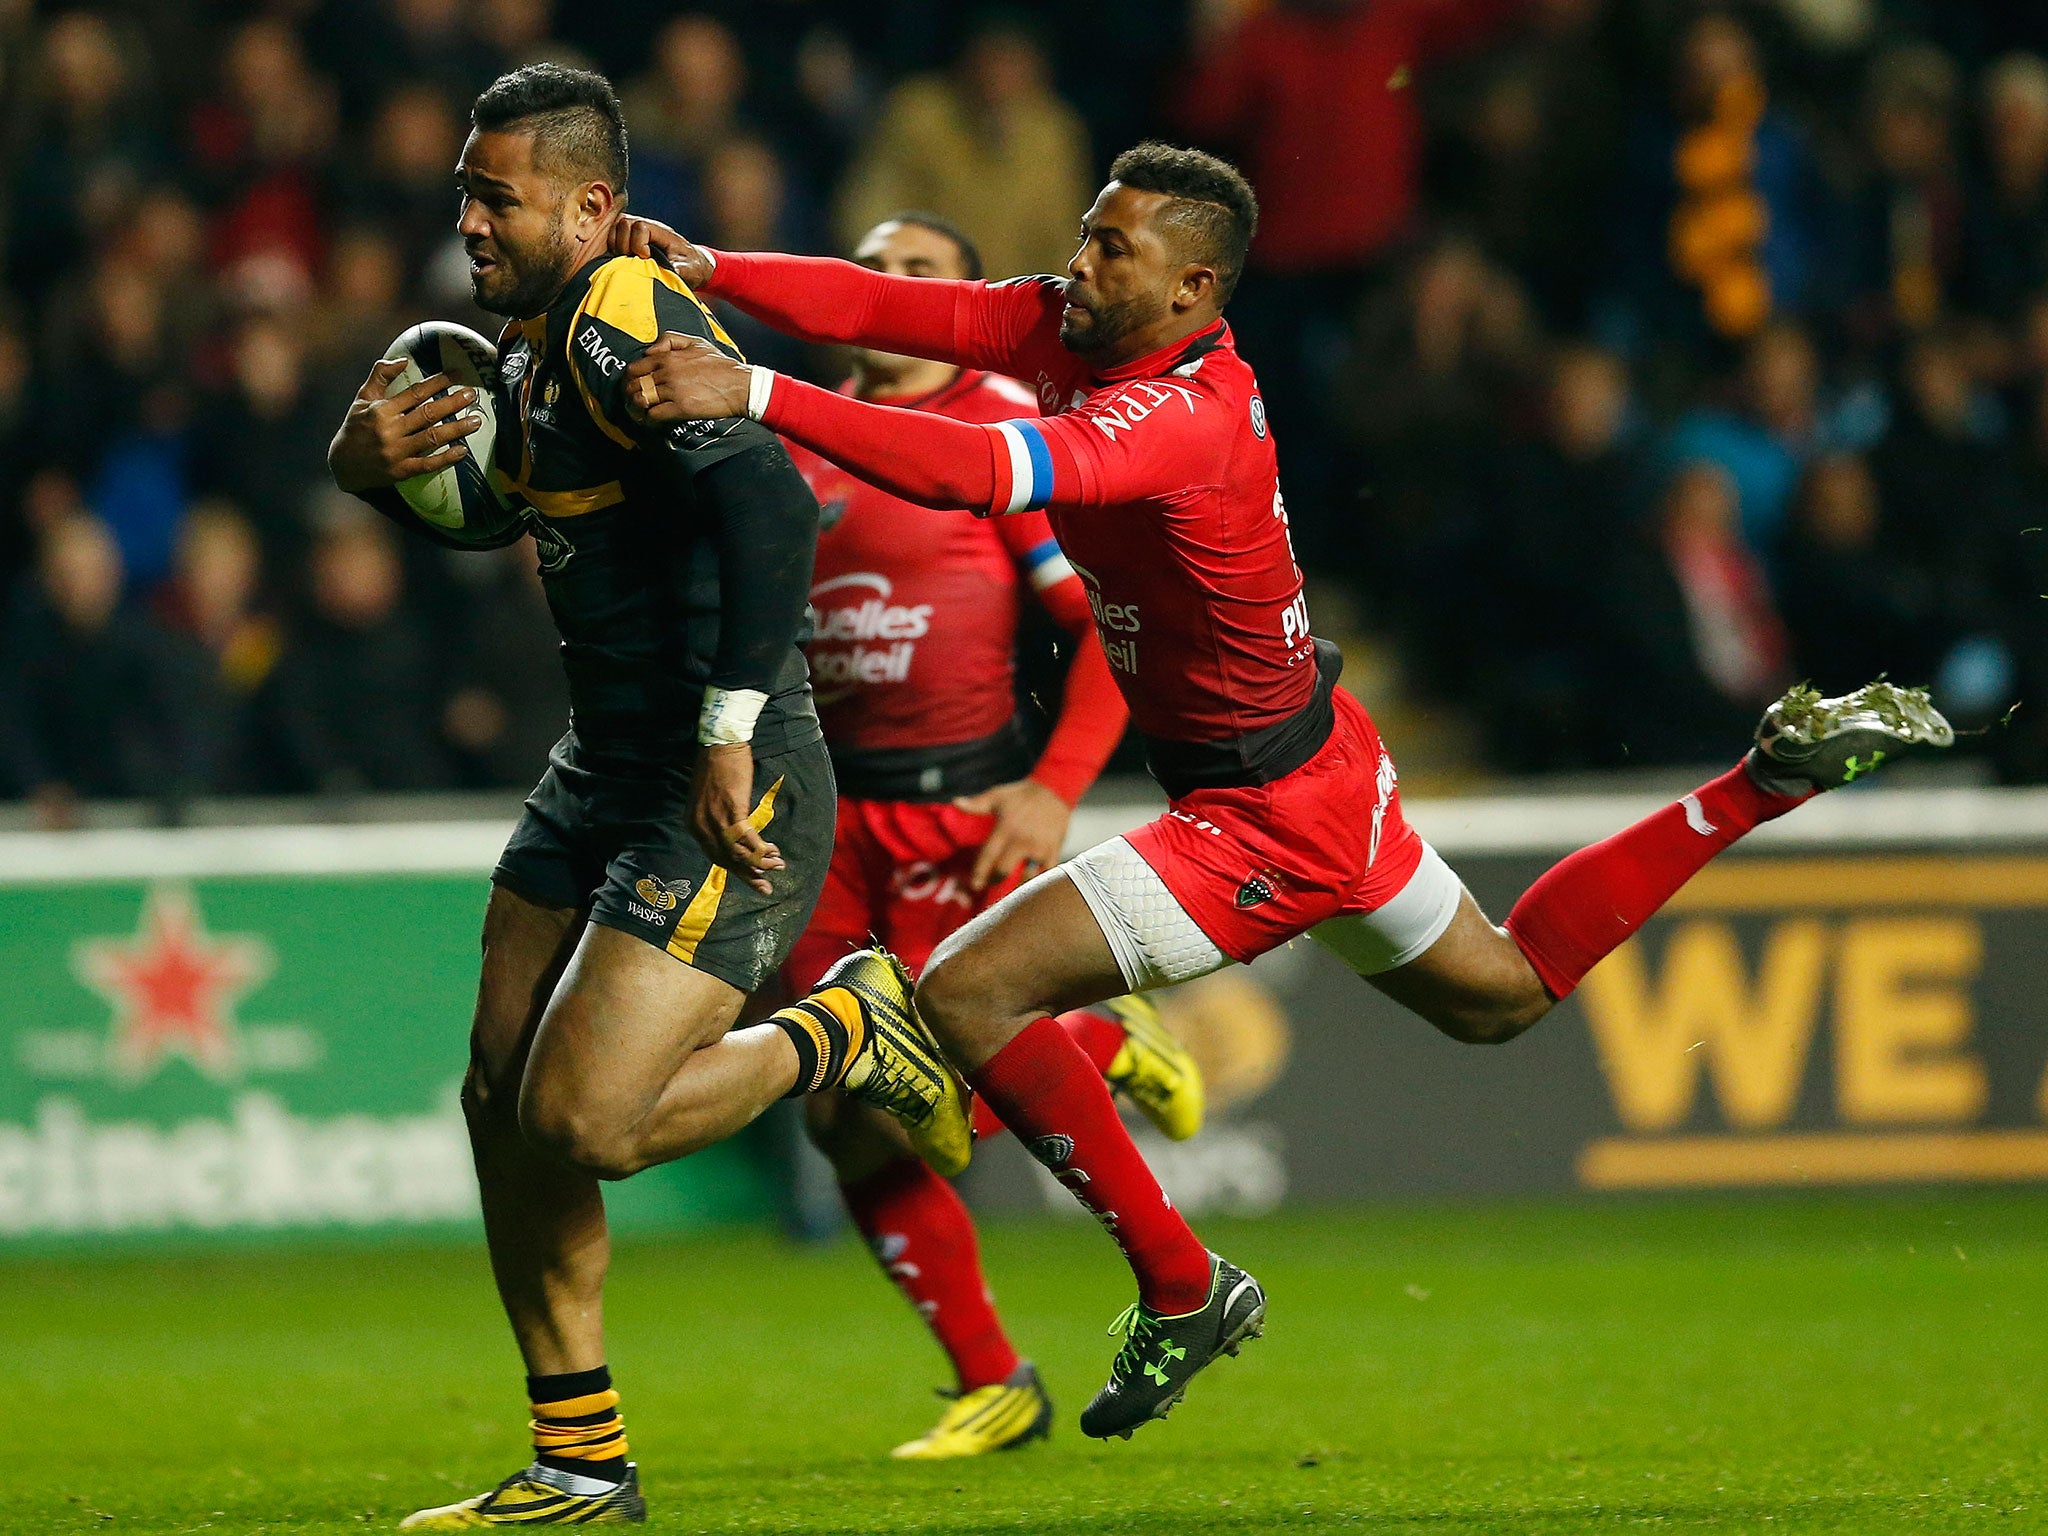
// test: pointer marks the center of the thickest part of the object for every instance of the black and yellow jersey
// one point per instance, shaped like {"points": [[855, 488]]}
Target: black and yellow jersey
{"points": [[673, 557]]}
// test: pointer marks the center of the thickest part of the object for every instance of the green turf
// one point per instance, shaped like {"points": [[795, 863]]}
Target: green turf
{"points": [[1856, 1366]]}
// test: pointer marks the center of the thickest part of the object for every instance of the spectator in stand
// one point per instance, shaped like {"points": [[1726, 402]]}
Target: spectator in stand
{"points": [[226, 648], [2007, 252], [1764, 436], [357, 688], [748, 207], [263, 437], [683, 108], [88, 145], [89, 706], [1525, 151], [405, 186], [1563, 524], [1854, 611], [260, 150], [362, 305], [1438, 361], [987, 145], [1909, 222], [1945, 483], [821, 119], [115, 402], [1316, 98], [165, 238], [1723, 214], [1738, 639], [510, 702], [521, 32]]}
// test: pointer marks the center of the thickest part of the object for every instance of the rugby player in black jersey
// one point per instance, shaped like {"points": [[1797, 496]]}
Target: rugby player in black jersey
{"points": [[676, 844]]}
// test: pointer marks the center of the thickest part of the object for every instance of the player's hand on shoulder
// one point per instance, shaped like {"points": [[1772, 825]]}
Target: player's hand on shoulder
{"points": [[686, 378], [1030, 830], [634, 236], [720, 804], [384, 440]]}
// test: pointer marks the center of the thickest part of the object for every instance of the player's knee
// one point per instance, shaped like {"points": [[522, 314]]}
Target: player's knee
{"points": [[569, 1130], [1495, 1022]]}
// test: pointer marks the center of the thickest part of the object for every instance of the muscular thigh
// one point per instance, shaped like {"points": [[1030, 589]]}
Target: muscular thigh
{"points": [[1038, 951], [624, 1016]]}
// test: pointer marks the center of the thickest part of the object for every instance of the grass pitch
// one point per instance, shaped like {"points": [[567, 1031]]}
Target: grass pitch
{"points": [[1804, 1365]]}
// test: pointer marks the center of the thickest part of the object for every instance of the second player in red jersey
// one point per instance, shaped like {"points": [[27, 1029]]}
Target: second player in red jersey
{"points": [[942, 810]]}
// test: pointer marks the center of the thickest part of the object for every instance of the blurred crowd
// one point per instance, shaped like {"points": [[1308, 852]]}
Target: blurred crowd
{"points": [[1628, 359]]}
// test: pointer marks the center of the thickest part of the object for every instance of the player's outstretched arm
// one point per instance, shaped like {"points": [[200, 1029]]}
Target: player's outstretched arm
{"points": [[1085, 458], [825, 301], [917, 455]]}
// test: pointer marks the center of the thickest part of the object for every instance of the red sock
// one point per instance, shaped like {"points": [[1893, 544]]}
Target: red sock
{"points": [[1047, 1091], [924, 1238], [1580, 909], [1099, 1036]]}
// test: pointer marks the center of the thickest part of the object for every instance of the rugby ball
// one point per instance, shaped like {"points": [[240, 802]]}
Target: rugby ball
{"points": [[458, 502]]}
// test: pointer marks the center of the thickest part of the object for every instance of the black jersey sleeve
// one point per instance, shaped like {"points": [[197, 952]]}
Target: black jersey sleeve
{"points": [[767, 535], [734, 474]]}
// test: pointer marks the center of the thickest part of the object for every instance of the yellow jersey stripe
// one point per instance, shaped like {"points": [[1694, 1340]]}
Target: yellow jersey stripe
{"points": [[568, 503]]}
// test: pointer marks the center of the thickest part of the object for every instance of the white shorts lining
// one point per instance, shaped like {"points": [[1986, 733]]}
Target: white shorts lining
{"points": [[1155, 942], [1396, 932]]}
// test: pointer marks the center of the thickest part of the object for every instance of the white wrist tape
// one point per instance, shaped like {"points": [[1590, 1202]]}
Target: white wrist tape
{"points": [[728, 717], [760, 386]]}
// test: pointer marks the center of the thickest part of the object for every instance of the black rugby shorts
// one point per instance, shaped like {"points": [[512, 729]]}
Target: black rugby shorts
{"points": [[614, 838]]}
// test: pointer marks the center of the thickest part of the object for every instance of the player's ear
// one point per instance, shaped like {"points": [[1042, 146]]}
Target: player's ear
{"points": [[595, 201], [1197, 283]]}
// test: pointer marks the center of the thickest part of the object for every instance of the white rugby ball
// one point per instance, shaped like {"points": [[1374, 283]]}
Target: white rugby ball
{"points": [[458, 500]]}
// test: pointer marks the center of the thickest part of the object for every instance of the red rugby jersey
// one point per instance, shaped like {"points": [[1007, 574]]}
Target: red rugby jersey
{"points": [[917, 611], [1158, 476]]}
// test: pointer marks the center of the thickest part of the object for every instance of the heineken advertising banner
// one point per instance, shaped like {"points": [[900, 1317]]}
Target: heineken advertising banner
{"points": [[262, 1031], [283, 1052]]}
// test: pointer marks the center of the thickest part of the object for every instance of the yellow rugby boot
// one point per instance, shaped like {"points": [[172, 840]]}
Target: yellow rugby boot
{"points": [[540, 1495], [999, 1417], [1154, 1070], [897, 1065]]}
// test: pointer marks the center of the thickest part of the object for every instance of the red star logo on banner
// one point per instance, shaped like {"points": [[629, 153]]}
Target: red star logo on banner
{"points": [[172, 987]]}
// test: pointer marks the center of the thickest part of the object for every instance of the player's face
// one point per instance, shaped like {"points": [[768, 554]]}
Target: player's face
{"points": [[904, 250], [516, 225], [1121, 281]]}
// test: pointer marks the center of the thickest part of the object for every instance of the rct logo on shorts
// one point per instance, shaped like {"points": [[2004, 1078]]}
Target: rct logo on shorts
{"points": [[1254, 890]]}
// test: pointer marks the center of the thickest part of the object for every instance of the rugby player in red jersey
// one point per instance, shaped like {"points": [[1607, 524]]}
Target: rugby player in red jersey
{"points": [[1157, 471], [941, 813]]}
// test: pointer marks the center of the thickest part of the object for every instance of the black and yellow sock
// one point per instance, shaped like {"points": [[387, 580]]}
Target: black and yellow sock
{"points": [[828, 1030], [576, 1424]]}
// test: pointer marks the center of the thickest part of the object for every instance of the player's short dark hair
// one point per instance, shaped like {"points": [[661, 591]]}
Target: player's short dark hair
{"points": [[1214, 212], [579, 131], [970, 255]]}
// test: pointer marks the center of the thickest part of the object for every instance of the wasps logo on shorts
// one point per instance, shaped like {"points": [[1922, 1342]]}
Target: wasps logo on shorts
{"points": [[658, 893]]}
